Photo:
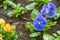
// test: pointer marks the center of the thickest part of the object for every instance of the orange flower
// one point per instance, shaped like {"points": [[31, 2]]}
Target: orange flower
{"points": [[0, 36], [8, 28], [2, 22]]}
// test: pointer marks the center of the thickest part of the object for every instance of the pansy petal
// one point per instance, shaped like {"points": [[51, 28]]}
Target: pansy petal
{"points": [[39, 17], [52, 6], [45, 9], [39, 26], [51, 14]]}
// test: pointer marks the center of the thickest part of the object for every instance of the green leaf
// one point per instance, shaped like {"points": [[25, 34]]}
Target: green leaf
{"points": [[31, 6], [30, 27], [34, 14], [55, 35], [42, 1], [17, 15], [46, 28], [49, 25], [19, 11], [35, 34], [48, 37], [58, 32], [5, 2], [38, 0], [12, 4], [58, 38], [52, 23], [58, 10], [9, 3], [15, 35], [31, 0], [10, 14], [56, 16], [18, 5], [46, 1], [4, 7], [11, 35], [1, 30]]}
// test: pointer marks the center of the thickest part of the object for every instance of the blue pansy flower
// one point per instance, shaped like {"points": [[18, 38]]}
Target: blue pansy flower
{"points": [[39, 22], [49, 10]]}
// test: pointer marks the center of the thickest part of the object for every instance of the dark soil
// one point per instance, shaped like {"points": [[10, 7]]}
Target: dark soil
{"points": [[20, 22]]}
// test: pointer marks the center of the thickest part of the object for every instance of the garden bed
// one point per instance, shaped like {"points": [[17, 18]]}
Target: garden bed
{"points": [[21, 21]]}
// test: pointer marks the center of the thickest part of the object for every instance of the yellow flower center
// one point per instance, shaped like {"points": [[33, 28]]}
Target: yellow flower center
{"points": [[38, 22]]}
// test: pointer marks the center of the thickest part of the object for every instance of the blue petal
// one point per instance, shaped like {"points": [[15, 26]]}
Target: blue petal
{"points": [[42, 20], [39, 27], [51, 14], [52, 6], [45, 9]]}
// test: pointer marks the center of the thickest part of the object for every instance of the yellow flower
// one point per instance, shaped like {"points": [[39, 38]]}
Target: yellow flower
{"points": [[0, 36], [8, 28], [2, 22]]}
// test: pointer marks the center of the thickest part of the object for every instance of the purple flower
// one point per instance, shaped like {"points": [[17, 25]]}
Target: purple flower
{"points": [[39, 22], [49, 10]]}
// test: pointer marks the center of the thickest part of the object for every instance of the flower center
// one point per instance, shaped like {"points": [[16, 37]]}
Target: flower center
{"points": [[38, 22]]}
